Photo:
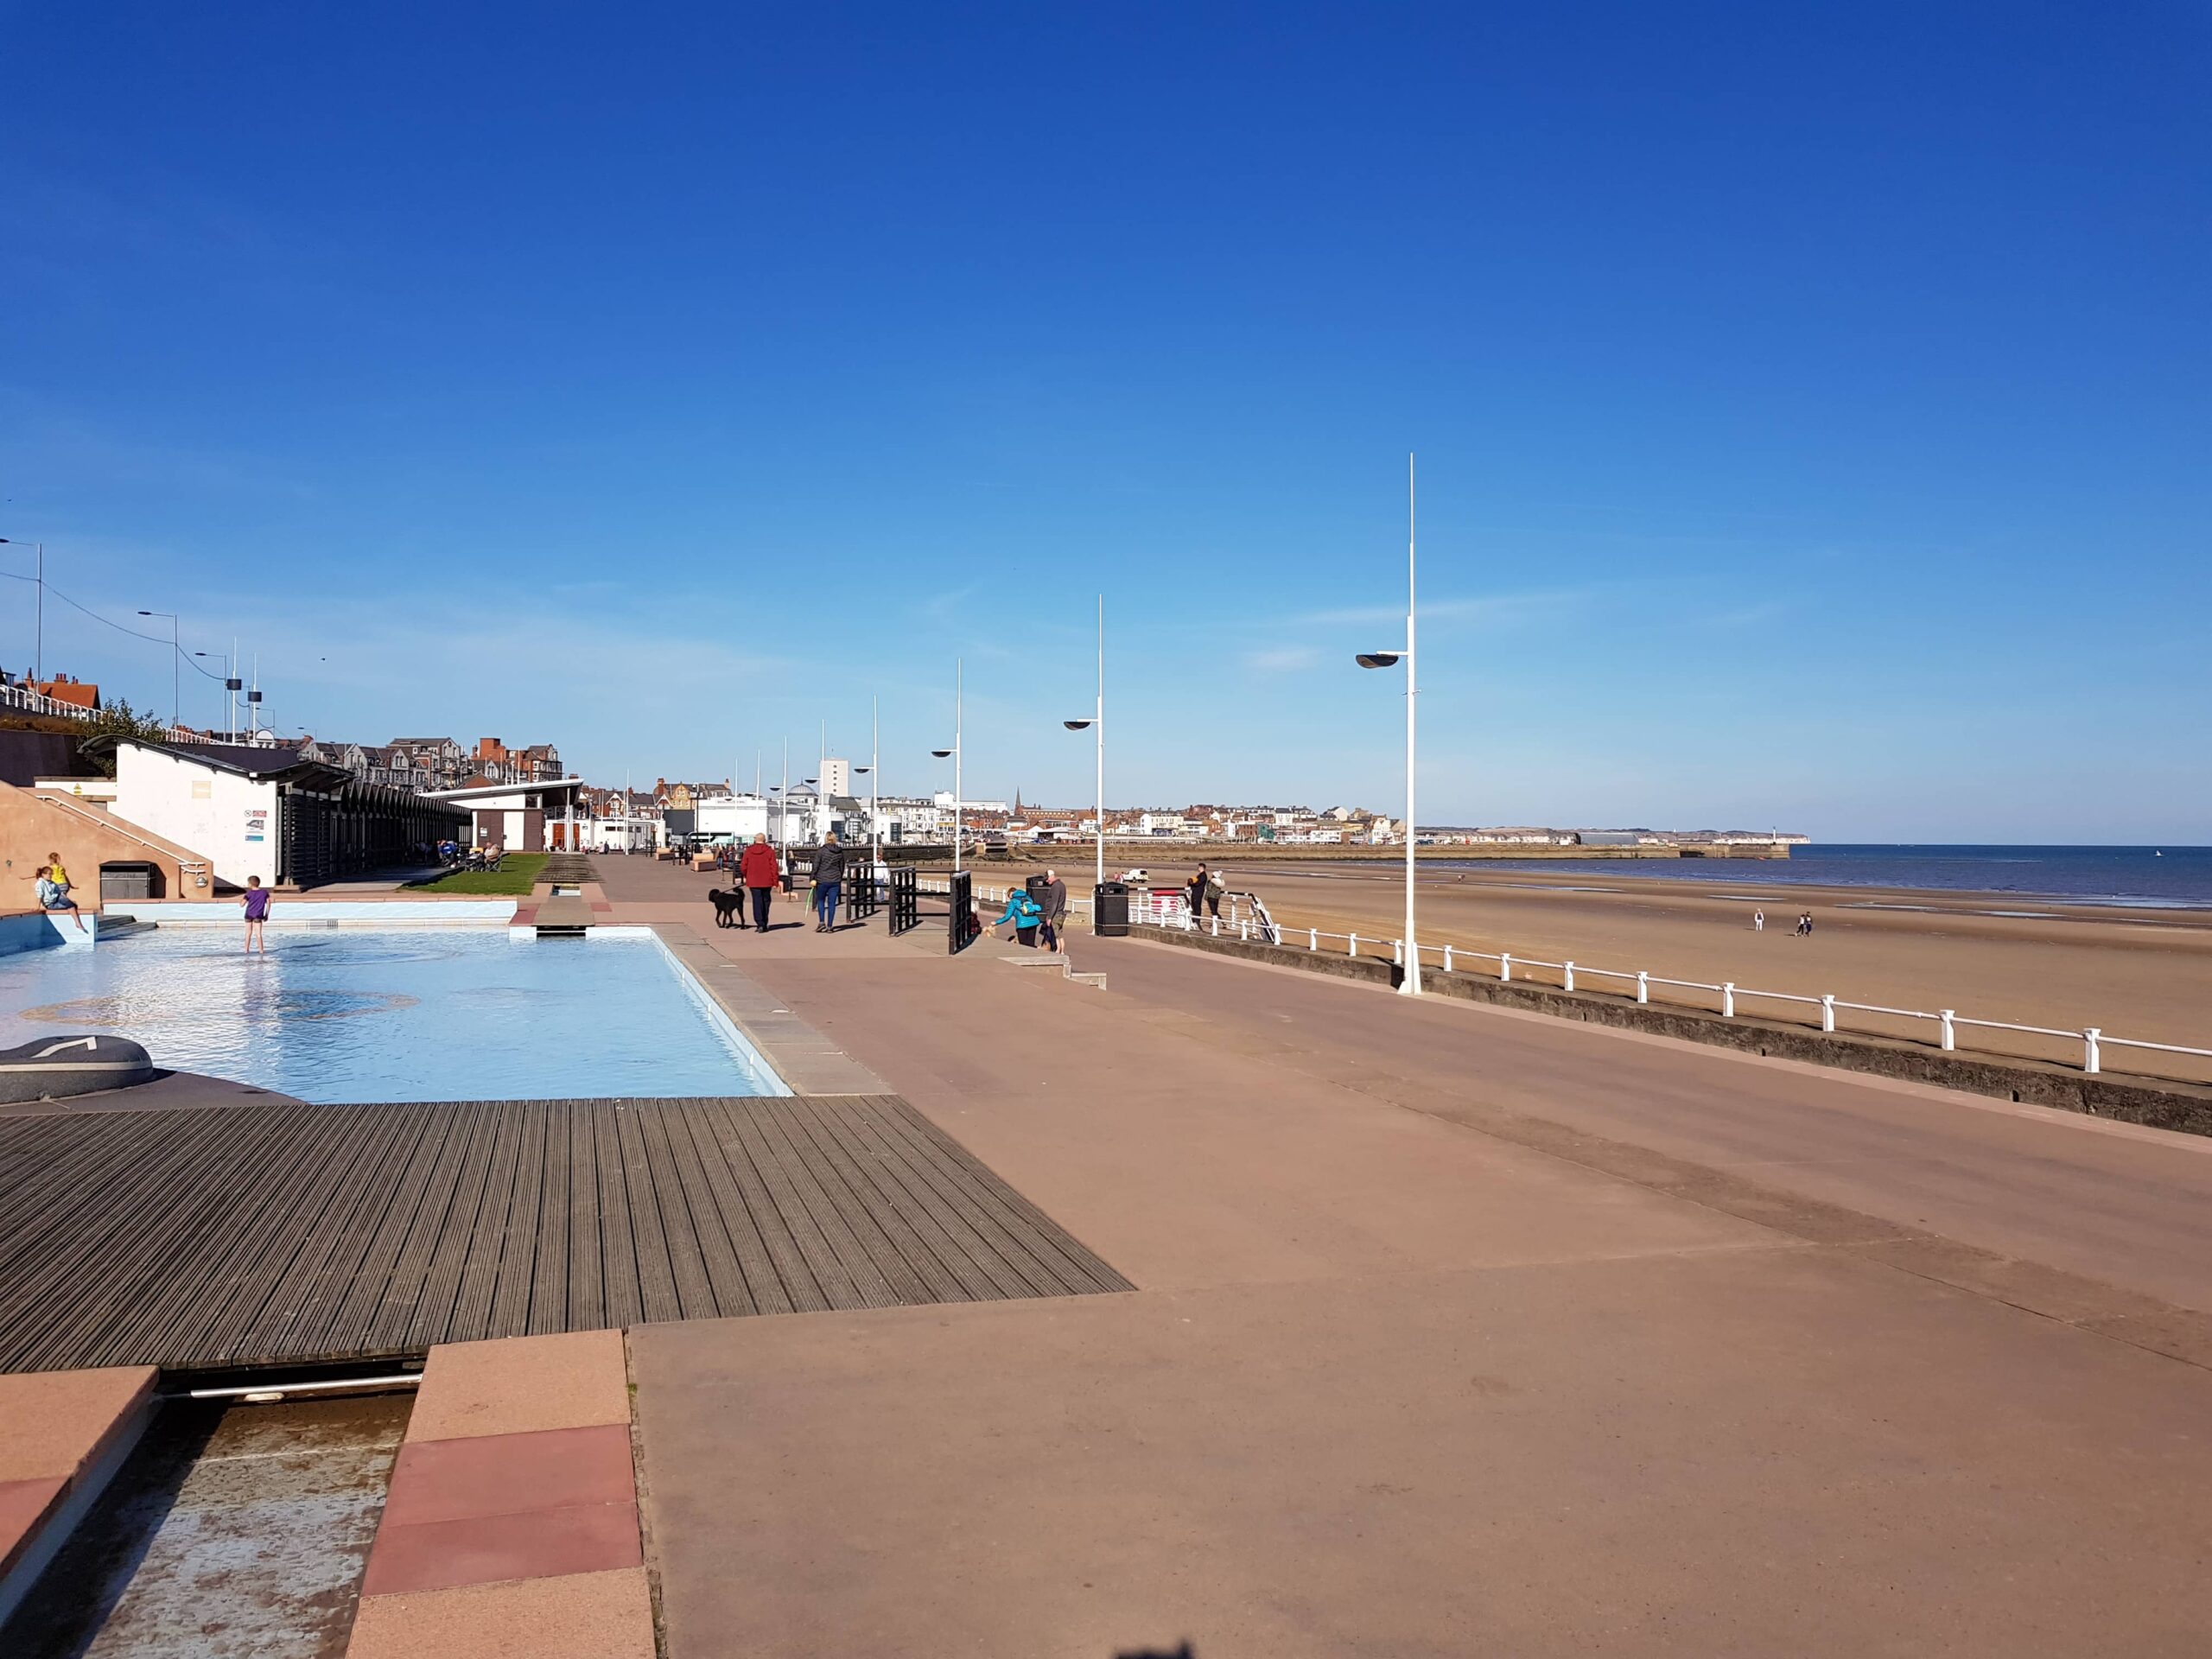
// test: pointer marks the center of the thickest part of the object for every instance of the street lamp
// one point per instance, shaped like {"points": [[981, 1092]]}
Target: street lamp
{"points": [[954, 754], [177, 667], [1409, 983], [38, 664], [1098, 723]]}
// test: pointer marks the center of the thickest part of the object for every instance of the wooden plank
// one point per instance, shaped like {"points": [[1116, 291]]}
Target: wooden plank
{"points": [[538, 1226], [281, 1232]]}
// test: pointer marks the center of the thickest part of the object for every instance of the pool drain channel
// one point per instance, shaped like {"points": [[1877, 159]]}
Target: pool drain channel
{"points": [[238, 1525]]}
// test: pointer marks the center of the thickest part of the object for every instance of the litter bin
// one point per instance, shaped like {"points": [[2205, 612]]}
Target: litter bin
{"points": [[1110, 909]]}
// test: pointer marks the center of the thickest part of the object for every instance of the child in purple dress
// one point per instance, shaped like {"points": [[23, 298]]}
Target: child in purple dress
{"points": [[255, 900]]}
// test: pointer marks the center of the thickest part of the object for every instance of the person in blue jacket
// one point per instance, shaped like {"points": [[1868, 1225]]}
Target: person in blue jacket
{"points": [[1022, 912]]}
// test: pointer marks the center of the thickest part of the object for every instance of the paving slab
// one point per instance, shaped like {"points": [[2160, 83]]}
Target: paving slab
{"points": [[574, 1380], [607, 1615], [56, 1424], [1747, 1452], [507, 1474], [489, 1548]]}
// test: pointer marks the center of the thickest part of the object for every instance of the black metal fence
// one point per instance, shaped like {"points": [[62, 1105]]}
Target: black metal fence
{"points": [[905, 901], [863, 890], [962, 927]]}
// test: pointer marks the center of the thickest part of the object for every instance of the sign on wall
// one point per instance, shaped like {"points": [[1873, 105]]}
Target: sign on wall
{"points": [[257, 823]]}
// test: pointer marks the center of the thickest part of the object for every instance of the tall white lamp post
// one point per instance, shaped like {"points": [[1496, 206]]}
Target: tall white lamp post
{"points": [[1098, 722], [954, 752], [1409, 983]]}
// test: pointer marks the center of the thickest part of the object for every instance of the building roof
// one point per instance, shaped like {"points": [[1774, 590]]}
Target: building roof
{"points": [[274, 763], [470, 792]]}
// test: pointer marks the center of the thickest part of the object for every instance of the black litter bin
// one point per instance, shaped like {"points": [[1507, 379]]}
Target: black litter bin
{"points": [[1110, 909]]}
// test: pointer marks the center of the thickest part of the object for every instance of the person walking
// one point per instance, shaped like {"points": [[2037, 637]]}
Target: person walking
{"points": [[1758, 921], [829, 881], [255, 902], [1055, 906], [1805, 926], [1023, 913], [761, 875]]}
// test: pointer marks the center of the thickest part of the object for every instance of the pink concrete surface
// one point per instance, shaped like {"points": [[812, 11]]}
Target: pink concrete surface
{"points": [[54, 1424], [605, 1615], [522, 1384], [488, 1548], [24, 1506], [508, 1474]]}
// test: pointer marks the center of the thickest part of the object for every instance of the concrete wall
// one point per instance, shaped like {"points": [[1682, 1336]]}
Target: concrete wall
{"points": [[36, 930], [212, 811], [33, 824]]}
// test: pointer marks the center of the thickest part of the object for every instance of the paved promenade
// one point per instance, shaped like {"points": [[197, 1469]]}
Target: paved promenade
{"points": [[1455, 1331]]}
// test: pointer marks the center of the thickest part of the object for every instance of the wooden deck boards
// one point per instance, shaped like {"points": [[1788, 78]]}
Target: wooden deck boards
{"points": [[281, 1233]]}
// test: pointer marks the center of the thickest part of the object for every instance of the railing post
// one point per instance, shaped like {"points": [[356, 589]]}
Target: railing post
{"points": [[1313, 938], [1398, 952], [1950, 1037], [1642, 986], [1827, 1011], [1217, 927], [1244, 931], [1505, 967], [2091, 1060], [1447, 958], [1728, 1000], [1354, 948], [1569, 971]]}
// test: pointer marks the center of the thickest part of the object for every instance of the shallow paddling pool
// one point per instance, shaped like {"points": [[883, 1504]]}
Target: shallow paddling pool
{"points": [[395, 1014]]}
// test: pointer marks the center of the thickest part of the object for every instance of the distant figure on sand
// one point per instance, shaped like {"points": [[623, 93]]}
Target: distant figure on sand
{"points": [[255, 902], [760, 872], [829, 880], [1055, 906], [1805, 926], [1758, 921]]}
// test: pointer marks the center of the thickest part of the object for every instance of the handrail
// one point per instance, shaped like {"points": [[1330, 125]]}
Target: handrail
{"points": [[123, 828], [2093, 1039]]}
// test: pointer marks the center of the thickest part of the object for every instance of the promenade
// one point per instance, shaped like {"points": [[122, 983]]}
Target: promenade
{"points": [[1454, 1330]]}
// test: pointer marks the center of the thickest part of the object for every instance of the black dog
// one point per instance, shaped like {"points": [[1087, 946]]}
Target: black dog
{"points": [[728, 907]]}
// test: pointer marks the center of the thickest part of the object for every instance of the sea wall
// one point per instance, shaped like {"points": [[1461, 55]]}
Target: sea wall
{"points": [[2186, 1107]]}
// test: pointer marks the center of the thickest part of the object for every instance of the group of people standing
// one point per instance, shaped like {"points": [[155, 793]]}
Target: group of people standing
{"points": [[1804, 929]]}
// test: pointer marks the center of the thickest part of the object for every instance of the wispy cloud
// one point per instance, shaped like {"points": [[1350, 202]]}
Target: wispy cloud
{"points": [[1282, 659]]}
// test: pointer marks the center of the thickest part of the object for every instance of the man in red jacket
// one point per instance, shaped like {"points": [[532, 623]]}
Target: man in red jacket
{"points": [[760, 874]]}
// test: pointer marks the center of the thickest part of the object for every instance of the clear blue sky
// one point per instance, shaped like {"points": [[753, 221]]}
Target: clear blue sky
{"points": [[1811, 404]]}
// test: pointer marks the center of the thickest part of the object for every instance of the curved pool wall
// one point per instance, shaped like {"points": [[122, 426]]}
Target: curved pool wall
{"points": [[287, 912], [359, 1013]]}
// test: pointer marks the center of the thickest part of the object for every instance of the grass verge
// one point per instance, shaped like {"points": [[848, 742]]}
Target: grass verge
{"points": [[514, 879]]}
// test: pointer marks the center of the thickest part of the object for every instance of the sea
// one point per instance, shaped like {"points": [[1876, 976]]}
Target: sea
{"points": [[2159, 878]]}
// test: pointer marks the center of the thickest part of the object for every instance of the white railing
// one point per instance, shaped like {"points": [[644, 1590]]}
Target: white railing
{"points": [[2092, 1039], [35, 703]]}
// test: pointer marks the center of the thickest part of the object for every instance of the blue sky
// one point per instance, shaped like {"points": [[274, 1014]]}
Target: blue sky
{"points": [[1811, 405]]}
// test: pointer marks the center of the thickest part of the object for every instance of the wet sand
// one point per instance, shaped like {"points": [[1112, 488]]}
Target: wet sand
{"points": [[2145, 974]]}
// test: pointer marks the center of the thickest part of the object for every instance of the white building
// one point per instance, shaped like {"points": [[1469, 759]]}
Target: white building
{"points": [[837, 776], [732, 818], [519, 818]]}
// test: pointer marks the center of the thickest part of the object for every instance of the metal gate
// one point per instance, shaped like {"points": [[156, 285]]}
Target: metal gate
{"points": [[906, 901], [960, 928]]}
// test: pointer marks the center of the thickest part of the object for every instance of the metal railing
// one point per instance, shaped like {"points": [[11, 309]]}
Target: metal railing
{"points": [[2093, 1041], [13, 695]]}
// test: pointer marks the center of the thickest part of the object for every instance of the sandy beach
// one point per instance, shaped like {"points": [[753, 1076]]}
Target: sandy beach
{"points": [[2144, 974]]}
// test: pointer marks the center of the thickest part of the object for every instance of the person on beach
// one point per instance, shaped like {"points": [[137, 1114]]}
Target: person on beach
{"points": [[54, 895], [829, 881], [1758, 921], [1055, 907], [1805, 926], [762, 874], [255, 902], [1196, 887], [1023, 913]]}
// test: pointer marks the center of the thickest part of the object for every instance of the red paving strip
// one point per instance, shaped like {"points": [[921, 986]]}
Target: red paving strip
{"points": [[24, 1506], [56, 1427], [512, 1524]]}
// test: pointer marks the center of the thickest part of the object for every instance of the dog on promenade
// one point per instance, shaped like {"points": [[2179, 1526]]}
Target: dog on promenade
{"points": [[729, 905]]}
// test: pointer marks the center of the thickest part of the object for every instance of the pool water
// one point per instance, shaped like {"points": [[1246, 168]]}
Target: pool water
{"points": [[387, 1015]]}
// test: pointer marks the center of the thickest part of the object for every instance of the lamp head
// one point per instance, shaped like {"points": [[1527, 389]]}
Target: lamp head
{"points": [[1077, 725], [1379, 658], [941, 754]]}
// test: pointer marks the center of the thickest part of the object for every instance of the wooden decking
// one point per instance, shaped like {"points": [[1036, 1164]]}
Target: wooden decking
{"points": [[279, 1232]]}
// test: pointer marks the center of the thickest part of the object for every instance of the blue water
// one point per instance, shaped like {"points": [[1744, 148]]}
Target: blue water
{"points": [[392, 1013], [2170, 877]]}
